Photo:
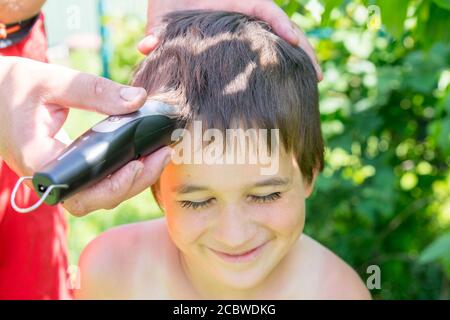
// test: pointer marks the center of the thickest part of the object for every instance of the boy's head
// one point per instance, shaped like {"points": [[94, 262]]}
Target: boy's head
{"points": [[228, 70]]}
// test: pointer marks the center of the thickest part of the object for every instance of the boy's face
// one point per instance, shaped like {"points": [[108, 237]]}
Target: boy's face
{"points": [[230, 222]]}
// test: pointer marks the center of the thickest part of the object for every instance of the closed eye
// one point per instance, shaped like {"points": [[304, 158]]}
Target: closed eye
{"points": [[267, 198], [195, 204]]}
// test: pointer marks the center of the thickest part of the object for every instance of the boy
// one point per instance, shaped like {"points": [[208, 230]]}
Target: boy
{"points": [[231, 230]]}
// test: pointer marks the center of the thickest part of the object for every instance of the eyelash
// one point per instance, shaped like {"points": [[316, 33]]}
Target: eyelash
{"points": [[195, 205], [258, 199], [267, 198]]}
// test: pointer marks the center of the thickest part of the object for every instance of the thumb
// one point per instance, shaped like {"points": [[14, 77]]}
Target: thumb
{"points": [[67, 87]]}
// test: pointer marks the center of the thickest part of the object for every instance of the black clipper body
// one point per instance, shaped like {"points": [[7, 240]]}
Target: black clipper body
{"points": [[105, 148]]}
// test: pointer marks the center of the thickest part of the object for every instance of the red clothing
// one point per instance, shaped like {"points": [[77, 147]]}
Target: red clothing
{"points": [[33, 250]]}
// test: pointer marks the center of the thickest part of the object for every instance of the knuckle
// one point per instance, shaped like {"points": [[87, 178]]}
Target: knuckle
{"points": [[45, 81], [114, 187], [110, 206], [99, 86], [75, 207]]}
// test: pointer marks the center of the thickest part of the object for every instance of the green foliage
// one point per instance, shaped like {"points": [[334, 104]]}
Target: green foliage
{"points": [[393, 14], [438, 251], [383, 197], [384, 193], [126, 31]]}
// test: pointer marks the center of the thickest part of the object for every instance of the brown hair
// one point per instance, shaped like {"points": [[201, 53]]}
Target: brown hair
{"points": [[222, 67]]}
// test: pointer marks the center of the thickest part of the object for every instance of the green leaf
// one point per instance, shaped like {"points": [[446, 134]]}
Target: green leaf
{"points": [[280, 3], [393, 14], [437, 25], [422, 68], [444, 4], [438, 249], [432, 23], [329, 5], [292, 7]]}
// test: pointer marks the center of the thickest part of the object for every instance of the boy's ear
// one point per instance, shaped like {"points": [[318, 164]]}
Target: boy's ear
{"points": [[155, 190], [309, 186]]}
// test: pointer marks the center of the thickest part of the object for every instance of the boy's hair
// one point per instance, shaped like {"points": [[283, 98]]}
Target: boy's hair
{"points": [[222, 67]]}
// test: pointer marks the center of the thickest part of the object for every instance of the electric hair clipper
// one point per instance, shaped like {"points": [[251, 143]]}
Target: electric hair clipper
{"points": [[102, 150]]}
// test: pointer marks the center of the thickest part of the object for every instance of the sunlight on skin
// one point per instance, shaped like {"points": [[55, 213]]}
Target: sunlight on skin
{"points": [[233, 218]]}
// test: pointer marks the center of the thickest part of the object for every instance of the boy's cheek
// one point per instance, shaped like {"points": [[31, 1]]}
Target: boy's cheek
{"points": [[285, 219], [282, 219], [185, 228]]}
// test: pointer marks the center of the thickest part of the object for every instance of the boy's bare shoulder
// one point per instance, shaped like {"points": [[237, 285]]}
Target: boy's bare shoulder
{"points": [[110, 261], [330, 277]]}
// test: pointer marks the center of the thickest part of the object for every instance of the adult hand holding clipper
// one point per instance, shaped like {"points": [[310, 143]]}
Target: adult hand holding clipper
{"points": [[34, 101]]}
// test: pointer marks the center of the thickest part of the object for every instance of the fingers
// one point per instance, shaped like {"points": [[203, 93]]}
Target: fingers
{"points": [[266, 10], [105, 194], [29, 165], [155, 12], [148, 44], [281, 24], [153, 167], [67, 87], [306, 46], [127, 182], [151, 41], [269, 12]]}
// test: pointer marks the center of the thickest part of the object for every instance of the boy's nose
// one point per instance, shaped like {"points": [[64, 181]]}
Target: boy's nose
{"points": [[233, 230]]}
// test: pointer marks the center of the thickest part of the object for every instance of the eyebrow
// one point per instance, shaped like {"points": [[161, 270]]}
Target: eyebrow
{"points": [[188, 188], [276, 181]]}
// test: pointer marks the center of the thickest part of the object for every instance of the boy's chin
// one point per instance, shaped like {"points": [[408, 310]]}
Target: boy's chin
{"points": [[243, 275], [241, 280]]}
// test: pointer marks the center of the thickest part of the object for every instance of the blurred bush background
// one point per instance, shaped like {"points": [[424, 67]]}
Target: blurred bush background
{"points": [[384, 196]]}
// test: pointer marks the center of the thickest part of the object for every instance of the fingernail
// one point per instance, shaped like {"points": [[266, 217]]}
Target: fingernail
{"points": [[149, 40], [319, 73], [132, 93], [148, 44]]}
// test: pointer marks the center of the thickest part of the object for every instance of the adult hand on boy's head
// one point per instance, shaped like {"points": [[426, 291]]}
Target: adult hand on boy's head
{"points": [[34, 101], [265, 10]]}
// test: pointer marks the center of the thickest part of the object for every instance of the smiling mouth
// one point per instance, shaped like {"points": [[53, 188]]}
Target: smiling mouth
{"points": [[241, 257]]}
